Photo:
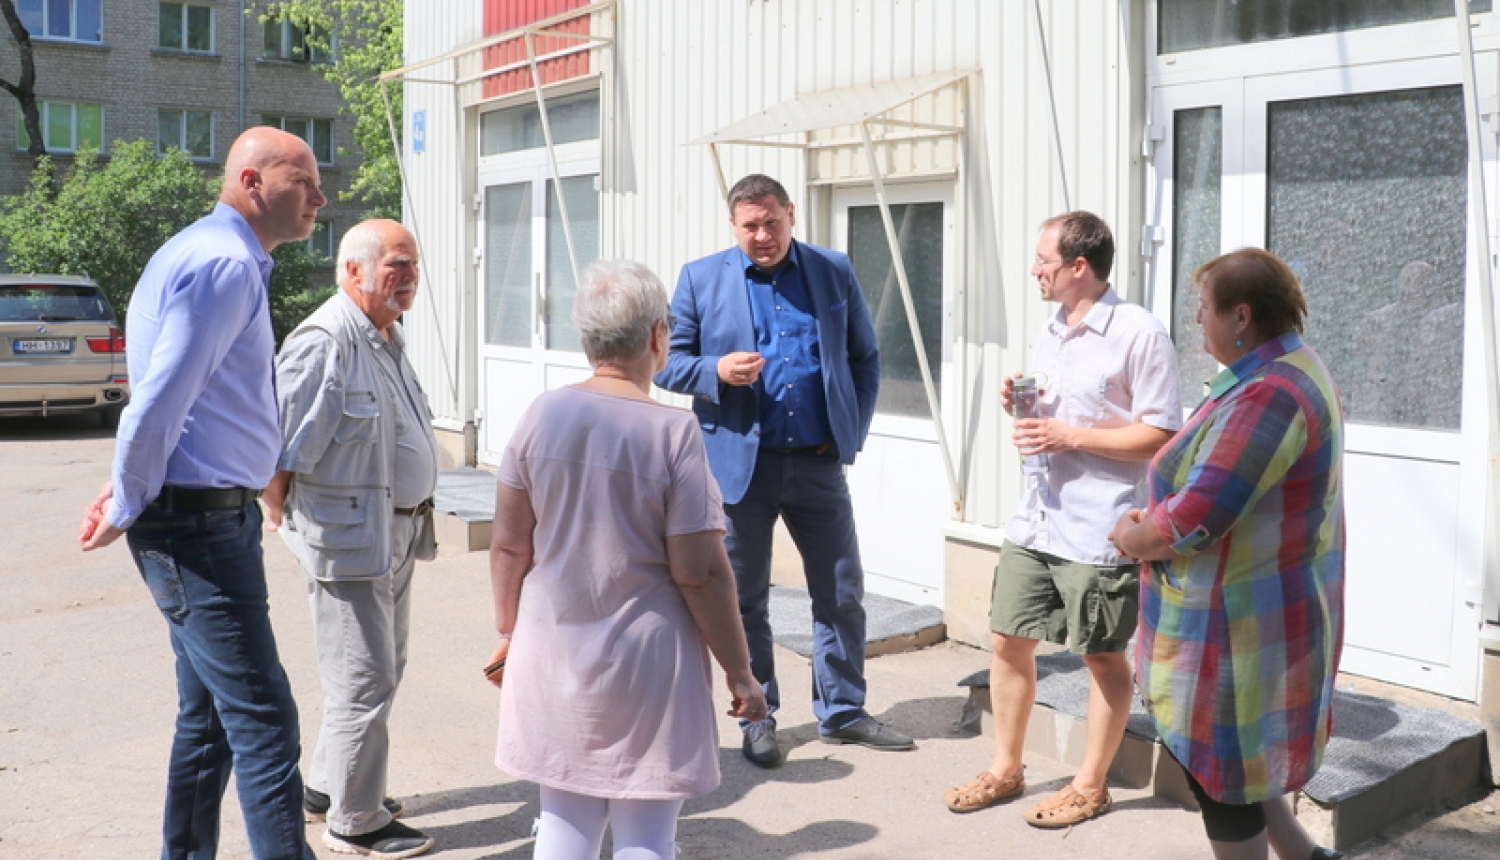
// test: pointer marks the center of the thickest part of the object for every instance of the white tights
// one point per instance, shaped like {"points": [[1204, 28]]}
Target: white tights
{"points": [[572, 827]]}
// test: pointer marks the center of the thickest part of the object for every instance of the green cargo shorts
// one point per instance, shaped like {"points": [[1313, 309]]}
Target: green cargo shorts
{"points": [[1091, 608]]}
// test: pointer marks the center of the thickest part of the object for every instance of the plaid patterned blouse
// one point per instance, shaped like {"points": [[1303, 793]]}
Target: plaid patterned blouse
{"points": [[1240, 636]]}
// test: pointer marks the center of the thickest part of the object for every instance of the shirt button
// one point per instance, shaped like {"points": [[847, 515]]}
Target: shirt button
{"points": [[788, 385]]}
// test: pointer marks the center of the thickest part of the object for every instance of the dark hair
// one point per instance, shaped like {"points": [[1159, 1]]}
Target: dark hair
{"points": [[1084, 234], [1259, 279], [754, 187]]}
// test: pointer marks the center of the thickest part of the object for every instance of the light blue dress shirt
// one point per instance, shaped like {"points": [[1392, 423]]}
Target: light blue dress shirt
{"points": [[201, 354]]}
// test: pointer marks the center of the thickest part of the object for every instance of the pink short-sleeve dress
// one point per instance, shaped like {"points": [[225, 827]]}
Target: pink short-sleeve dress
{"points": [[607, 688]]}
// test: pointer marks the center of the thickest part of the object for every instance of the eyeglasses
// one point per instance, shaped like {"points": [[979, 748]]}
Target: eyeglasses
{"points": [[1039, 262]]}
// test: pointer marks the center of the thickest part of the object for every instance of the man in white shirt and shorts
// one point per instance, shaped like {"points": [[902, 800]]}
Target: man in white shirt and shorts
{"points": [[1109, 399]]}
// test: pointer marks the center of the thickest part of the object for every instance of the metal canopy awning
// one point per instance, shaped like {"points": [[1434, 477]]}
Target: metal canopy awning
{"points": [[862, 106], [834, 108]]}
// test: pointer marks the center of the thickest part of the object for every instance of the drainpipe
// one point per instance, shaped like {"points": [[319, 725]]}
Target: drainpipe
{"points": [[241, 55]]}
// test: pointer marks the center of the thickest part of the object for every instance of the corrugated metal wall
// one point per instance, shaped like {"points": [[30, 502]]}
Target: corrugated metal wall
{"points": [[440, 182], [501, 16], [683, 68]]}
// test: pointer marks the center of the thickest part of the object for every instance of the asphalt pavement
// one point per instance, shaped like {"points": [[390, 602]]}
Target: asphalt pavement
{"points": [[87, 701]]}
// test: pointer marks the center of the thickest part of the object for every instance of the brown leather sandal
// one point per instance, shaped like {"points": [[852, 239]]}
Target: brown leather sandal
{"points": [[985, 790], [1069, 807]]}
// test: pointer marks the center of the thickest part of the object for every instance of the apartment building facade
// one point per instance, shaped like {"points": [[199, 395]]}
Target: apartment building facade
{"points": [[191, 75]]}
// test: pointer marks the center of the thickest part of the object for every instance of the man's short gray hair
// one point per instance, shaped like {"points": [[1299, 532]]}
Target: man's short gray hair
{"points": [[618, 305], [360, 245]]}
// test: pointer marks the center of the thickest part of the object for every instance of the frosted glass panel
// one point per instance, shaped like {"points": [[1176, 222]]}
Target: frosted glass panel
{"points": [[571, 118], [507, 265], [1186, 25], [1197, 164], [1367, 200], [919, 229], [583, 216]]}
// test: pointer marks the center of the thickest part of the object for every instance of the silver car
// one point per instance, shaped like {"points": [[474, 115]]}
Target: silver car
{"points": [[61, 348]]}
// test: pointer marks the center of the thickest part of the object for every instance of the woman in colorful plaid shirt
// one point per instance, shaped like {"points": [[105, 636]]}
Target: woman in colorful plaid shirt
{"points": [[1242, 608]]}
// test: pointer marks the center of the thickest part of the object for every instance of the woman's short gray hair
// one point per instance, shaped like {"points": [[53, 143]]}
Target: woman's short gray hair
{"points": [[618, 305]]}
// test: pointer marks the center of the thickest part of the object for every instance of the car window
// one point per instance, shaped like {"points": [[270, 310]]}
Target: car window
{"points": [[43, 303]]}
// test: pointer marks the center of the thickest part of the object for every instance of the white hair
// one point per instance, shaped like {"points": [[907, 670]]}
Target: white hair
{"points": [[361, 245], [617, 306]]}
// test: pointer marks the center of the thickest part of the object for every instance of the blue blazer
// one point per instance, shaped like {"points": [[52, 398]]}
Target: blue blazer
{"points": [[712, 306]]}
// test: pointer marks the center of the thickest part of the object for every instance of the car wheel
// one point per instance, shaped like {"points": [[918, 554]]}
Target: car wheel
{"points": [[109, 417]]}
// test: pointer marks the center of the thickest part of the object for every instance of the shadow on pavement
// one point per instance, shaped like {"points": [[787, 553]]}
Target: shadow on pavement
{"points": [[83, 425]]}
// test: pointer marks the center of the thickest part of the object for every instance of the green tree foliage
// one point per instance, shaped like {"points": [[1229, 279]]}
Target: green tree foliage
{"points": [[364, 37], [104, 218]]}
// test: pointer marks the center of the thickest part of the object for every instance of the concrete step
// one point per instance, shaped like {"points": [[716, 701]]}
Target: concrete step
{"points": [[1385, 762], [465, 506]]}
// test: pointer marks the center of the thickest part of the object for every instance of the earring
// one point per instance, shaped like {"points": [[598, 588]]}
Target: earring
{"points": [[1239, 343]]}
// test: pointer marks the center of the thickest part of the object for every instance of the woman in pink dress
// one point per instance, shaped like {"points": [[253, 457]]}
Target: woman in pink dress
{"points": [[611, 586]]}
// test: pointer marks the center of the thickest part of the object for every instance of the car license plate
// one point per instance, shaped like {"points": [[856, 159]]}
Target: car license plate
{"points": [[34, 346]]}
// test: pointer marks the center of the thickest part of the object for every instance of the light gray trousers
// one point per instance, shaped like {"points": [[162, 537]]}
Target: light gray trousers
{"points": [[361, 628]]}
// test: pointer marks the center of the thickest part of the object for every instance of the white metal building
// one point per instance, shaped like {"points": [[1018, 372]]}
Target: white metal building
{"points": [[1352, 139]]}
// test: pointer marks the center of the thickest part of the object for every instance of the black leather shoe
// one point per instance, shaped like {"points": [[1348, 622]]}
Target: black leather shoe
{"points": [[870, 732], [760, 744], [1325, 854]]}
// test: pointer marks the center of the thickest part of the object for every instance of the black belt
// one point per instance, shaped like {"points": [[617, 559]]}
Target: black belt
{"points": [[422, 507], [189, 499], [805, 450]]}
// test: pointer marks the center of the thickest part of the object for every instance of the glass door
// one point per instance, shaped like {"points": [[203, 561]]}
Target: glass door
{"points": [[901, 493], [528, 344], [1358, 178]]}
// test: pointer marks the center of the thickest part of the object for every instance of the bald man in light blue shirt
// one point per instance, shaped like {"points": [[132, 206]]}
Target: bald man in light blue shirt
{"points": [[197, 443]]}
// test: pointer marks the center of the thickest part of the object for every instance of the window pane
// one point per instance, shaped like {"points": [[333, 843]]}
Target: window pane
{"points": [[273, 39], [200, 27], [91, 126], [919, 229], [57, 124], [89, 21], [507, 265], [1186, 25], [168, 130], [295, 125], [573, 118], [322, 142], [31, 16], [583, 217], [60, 18], [24, 139], [169, 25], [1197, 163], [1367, 198], [200, 134]]}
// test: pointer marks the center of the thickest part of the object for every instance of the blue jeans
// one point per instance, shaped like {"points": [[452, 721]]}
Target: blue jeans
{"points": [[810, 494], [235, 708]]}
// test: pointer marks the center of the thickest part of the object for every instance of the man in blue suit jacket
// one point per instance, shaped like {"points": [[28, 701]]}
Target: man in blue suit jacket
{"points": [[774, 341]]}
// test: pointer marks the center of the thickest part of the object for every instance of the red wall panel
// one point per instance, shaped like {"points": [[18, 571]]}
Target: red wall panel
{"points": [[503, 15]]}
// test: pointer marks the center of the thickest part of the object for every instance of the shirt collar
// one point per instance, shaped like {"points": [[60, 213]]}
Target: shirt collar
{"points": [[1097, 319], [792, 259], [367, 328], [1252, 361], [231, 216]]}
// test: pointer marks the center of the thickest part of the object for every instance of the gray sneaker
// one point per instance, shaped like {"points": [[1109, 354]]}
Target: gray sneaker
{"points": [[391, 842], [870, 732]]}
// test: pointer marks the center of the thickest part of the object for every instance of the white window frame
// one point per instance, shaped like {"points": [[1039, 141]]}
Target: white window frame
{"points": [[182, 11], [909, 426], [312, 138], [44, 109], [44, 9], [182, 122]]}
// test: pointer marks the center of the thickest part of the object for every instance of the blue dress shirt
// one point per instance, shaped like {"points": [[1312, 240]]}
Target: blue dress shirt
{"points": [[201, 355], [793, 406]]}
